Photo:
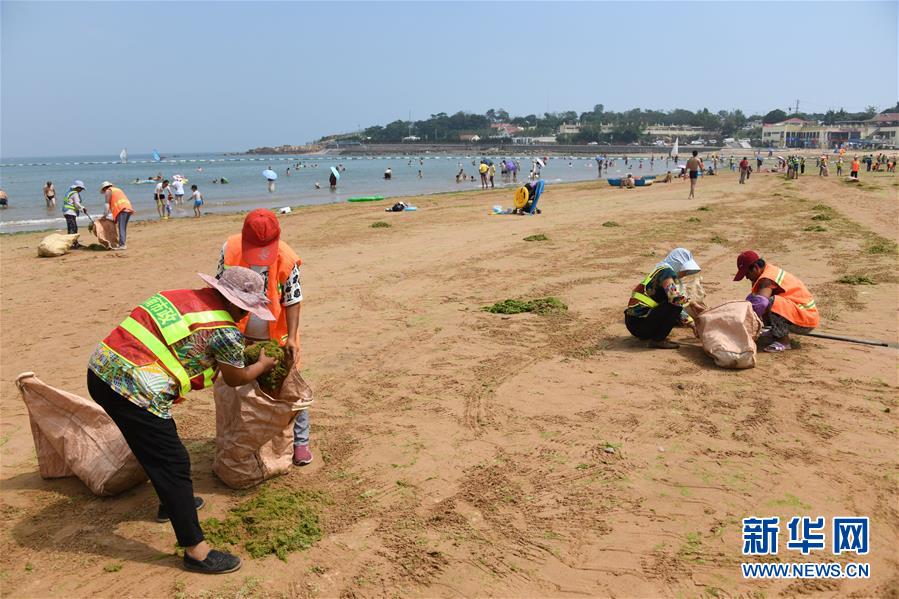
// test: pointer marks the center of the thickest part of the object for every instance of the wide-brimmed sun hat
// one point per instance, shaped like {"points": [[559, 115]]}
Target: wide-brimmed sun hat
{"points": [[77, 184], [104, 185], [243, 288]]}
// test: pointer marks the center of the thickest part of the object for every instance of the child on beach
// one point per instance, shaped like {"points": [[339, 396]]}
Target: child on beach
{"points": [[197, 197]]}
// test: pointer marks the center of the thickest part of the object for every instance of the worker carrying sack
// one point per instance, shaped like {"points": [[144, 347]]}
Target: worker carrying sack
{"points": [[728, 333], [74, 436], [254, 430], [56, 244]]}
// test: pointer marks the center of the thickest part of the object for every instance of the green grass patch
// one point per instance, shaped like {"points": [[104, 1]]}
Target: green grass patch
{"points": [[719, 240], [693, 219], [610, 223], [882, 246], [822, 217], [543, 305], [815, 228], [113, 567], [380, 225], [821, 207], [790, 501], [704, 209], [538, 237], [856, 280], [275, 521], [269, 381]]}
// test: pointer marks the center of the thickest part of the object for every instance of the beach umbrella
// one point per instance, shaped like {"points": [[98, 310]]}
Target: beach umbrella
{"points": [[269, 174], [336, 172]]}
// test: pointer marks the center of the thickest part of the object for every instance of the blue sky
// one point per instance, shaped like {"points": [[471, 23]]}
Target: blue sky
{"points": [[90, 78]]}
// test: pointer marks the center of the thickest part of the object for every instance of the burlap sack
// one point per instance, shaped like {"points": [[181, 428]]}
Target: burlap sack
{"points": [[56, 244], [106, 232], [254, 430], [728, 333], [73, 436]]}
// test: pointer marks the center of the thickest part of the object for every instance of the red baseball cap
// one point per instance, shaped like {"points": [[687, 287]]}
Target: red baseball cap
{"points": [[259, 238], [744, 261]]}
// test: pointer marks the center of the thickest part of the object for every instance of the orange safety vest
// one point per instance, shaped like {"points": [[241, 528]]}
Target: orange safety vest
{"points": [[855, 165], [148, 334], [278, 274], [796, 303], [118, 202]]}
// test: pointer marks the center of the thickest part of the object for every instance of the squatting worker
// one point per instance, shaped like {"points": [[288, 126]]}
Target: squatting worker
{"points": [[118, 208], [657, 303], [790, 306], [259, 247], [170, 344]]}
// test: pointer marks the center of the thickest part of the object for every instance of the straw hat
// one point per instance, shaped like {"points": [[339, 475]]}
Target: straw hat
{"points": [[243, 288], [104, 185]]}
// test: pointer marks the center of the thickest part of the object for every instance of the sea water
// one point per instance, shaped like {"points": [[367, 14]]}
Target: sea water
{"points": [[23, 180]]}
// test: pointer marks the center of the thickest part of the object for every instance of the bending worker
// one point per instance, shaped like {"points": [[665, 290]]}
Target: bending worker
{"points": [[170, 344], [259, 247], [657, 302], [791, 307], [118, 208]]}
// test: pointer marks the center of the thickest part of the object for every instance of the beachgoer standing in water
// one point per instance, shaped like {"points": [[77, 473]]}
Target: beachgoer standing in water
{"points": [[159, 194], [50, 194], [694, 167], [118, 210], [482, 169], [197, 198], [491, 172]]}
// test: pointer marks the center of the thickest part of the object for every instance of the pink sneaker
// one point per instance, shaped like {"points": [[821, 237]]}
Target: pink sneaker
{"points": [[301, 455]]}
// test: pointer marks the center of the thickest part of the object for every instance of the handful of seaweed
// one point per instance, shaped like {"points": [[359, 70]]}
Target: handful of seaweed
{"points": [[269, 381]]}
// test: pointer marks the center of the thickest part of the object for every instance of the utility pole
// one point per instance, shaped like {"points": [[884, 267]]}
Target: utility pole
{"points": [[797, 107]]}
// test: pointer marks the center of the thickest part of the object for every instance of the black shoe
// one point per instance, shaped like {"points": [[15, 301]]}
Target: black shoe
{"points": [[162, 514], [217, 562]]}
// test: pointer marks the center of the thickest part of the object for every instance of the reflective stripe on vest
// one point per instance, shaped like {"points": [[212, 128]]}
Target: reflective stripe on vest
{"points": [[172, 324], [642, 297], [174, 327], [69, 203], [160, 350]]}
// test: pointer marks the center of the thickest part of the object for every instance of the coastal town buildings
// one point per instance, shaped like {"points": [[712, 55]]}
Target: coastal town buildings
{"points": [[882, 130]]}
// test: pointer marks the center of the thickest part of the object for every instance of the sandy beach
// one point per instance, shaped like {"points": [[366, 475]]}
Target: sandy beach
{"points": [[463, 453]]}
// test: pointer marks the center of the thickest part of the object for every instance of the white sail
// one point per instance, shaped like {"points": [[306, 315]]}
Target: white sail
{"points": [[674, 148], [123, 155]]}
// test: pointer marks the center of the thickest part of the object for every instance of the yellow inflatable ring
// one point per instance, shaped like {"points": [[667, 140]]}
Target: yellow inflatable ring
{"points": [[521, 197]]}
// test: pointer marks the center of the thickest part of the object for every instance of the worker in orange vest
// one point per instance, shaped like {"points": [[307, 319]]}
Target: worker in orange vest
{"points": [[259, 247], [118, 208], [790, 306], [853, 172]]}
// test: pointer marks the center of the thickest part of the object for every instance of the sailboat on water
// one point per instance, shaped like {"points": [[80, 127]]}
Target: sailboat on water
{"points": [[123, 155], [674, 149], [156, 156]]}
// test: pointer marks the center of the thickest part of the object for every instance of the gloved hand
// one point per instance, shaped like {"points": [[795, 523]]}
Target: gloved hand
{"points": [[759, 303]]}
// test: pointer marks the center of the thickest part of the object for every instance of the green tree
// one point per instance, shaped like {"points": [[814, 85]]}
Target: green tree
{"points": [[775, 116]]}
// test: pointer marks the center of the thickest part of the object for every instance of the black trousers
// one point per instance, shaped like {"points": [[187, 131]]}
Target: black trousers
{"points": [[159, 450], [657, 325], [71, 224]]}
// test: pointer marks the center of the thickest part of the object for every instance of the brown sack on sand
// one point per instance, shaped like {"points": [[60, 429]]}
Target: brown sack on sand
{"points": [[728, 333], [106, 232], [254, 430], [73, 436], [56, 244]]}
